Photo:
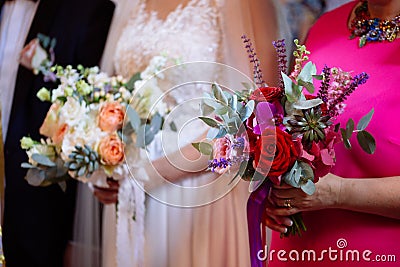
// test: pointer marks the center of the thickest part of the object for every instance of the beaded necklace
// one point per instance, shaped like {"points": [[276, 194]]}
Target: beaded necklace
{"points": [[373, 29]]}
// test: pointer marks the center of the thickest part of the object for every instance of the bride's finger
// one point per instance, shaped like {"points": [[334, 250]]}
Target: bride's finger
{"points": [[273, 225]]}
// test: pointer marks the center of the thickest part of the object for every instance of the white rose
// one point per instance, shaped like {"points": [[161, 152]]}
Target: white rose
{"points": [[72, 112]]}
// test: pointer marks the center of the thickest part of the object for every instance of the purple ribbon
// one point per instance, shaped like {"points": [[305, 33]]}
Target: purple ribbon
{"points": [[255, 209]]}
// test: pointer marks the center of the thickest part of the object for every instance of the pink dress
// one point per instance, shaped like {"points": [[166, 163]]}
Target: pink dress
{"points": [[344, 234]]}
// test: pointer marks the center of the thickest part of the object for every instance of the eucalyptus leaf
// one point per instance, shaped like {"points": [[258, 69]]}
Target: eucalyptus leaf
{"points": [[346, 141], [307, 72], [206, 109], [35, 177], [219, 94], [134, 118], [204, 148], [308, 187], [210, 122], [222, 111], [173, 127], [156, 123], [366, 141], [349, 128], [318, 77], [144, 136], [26, 165], [308, 85], [130, 85], [364, 121], [307, 171], [43, 160], [289, 88], [308, 103]]}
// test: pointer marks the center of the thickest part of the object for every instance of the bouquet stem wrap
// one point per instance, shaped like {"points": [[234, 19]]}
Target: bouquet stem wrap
{"points": [[255, 210]]}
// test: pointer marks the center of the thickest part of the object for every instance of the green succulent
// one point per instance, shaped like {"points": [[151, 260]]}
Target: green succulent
{"points": [[84, 161], [310, 125]]}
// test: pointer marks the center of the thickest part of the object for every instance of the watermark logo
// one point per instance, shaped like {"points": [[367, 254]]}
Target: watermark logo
{"points": [[338, 254]]}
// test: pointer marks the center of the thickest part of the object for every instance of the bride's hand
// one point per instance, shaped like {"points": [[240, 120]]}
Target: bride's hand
{"points": [[107, 195], [285, 200]]}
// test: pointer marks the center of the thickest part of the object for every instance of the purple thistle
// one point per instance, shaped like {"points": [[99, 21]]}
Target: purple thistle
{"points": [[280, 48], [221, 163], [323, 91], [356, 81], [258, 79]]}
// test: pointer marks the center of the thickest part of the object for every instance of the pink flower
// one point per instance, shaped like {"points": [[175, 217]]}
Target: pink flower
{"points": [[222, 149]]}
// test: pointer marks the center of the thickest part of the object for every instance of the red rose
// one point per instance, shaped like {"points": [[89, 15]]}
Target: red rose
{"points": [[275, 152], [269, 94]]}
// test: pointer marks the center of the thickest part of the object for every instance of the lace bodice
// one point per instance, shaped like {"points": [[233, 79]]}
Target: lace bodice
{"points": [[189, 33]]}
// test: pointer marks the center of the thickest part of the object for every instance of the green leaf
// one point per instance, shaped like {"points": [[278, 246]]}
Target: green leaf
{"points": [[362, 41], [307, 72], [308, 85], [349, 128], [156, 123], [318, 77], [173, 127], [219, 94], [144, 136], [222, 111], [366, 141], [134, 118], [289, 92], [346, 141], [364, 121], [308, 188], [35, 177], [43, 160], [307, 104], [206, 109], [26, 165], [130, 85], [204, 148], [210, 122]]}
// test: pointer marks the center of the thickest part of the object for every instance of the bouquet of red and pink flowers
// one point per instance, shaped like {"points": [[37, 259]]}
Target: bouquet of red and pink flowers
{"points": [[283, 134]]}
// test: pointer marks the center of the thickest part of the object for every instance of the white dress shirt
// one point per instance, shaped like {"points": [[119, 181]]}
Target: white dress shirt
{"points": [[16, 19]]}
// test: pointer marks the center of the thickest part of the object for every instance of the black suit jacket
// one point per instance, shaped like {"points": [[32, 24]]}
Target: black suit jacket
{"points": [[38, 221]]}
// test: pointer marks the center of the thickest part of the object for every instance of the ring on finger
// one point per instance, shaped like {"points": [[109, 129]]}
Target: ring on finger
{"points": [[288, 203]]}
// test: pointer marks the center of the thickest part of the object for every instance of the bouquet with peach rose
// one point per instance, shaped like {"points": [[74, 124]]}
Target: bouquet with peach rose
{"points": [[95, 122], [283, 134]]}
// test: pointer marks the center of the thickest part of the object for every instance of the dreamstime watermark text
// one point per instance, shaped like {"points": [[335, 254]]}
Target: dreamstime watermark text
{"points": [[334, 254]]}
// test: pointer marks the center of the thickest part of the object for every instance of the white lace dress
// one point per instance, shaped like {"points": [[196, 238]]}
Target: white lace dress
{"points": [[212, 235]]}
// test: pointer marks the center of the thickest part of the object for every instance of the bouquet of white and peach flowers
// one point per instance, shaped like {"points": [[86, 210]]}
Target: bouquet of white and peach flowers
{"points": [[94, 124]]}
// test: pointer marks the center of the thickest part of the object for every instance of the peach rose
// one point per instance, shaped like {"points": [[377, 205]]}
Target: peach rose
{"points": [[111, 116], [59, 134], [111, 150], [50, 123]]}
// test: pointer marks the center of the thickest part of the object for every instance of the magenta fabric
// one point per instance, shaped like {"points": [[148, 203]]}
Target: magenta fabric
{"points": [[329, 44]]}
